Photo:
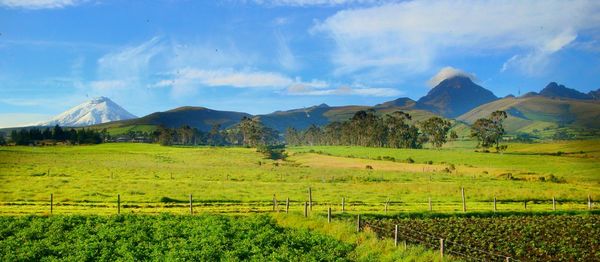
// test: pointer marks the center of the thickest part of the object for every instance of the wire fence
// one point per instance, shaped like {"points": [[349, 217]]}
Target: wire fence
{"points": [[445, 246]]}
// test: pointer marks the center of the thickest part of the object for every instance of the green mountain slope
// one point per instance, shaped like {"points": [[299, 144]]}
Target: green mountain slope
{"points": [[526, 114], [196, 117]]}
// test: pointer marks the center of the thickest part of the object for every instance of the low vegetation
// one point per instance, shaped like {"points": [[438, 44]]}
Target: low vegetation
{"points": [[493, 238], [164, 237]]}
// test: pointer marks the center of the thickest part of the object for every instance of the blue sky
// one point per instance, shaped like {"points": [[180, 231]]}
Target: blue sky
{"points": [[261, 56]]}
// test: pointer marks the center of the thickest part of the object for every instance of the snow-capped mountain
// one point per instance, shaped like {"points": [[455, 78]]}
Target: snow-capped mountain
{"points": [[96, 111]]}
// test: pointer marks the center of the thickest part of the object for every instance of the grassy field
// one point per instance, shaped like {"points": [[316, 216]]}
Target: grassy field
{"points": [[154, 179]]}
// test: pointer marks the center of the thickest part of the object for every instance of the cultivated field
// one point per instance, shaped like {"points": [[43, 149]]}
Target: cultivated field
{"points": [[153, 179], [387, 186]]}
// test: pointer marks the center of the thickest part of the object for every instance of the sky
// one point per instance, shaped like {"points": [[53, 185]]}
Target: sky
{"points": [[259, 56]]}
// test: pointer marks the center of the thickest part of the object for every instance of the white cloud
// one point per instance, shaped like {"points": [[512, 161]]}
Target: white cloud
{"points": [[449, 72], [408, 37], [39, 4], [286, 58], [342, 90]]}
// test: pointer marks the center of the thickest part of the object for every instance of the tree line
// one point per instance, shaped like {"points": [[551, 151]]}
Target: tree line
{"points": [[33, 136], [249, 132], [366, 128]]}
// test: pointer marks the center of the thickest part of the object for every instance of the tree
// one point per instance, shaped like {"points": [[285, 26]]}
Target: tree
{"points": [[255, 133], [292, 136], [165, 136], [400, 134], [435, 130], [214, 136], [453, 135], [313, 135], [489, 131]]}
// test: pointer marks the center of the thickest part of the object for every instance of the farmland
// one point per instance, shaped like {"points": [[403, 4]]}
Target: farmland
{"points": [[229, 185], [153, 179]]}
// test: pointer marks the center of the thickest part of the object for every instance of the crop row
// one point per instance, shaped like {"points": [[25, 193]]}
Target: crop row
{"points": [[526, 238], [163, 237]]}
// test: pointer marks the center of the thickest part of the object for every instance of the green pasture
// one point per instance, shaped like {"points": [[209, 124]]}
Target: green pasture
{"points": [[153, 179]]}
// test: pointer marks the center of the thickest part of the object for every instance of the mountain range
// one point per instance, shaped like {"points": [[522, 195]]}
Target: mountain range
{"points": [[457, 98]]}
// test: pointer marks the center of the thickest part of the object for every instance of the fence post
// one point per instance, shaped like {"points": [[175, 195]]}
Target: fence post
{"points": [[553, 204], [310, 198], [430, 207], [305, 210], [494, 204], [462, 191], [51, 202], [287, 205], [358, 223], [442, 248], [385, 209], [396, 236], [118, 204], [329, 215], [525, 204], [404, 244], [191, 206], [589, 202], [343, 204], [274, 202]]}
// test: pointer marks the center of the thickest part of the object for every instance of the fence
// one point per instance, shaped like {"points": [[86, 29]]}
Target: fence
{"points": [[406, 234], [232, 206]]}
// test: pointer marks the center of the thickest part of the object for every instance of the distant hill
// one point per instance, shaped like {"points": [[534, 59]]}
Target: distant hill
{"points": [[554, 90], [196, 117], [96, 111], [526, 114], [455, 96], [595, 94]]}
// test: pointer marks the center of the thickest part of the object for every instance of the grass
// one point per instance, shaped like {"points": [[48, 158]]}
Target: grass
{"points": [[154, 179]]}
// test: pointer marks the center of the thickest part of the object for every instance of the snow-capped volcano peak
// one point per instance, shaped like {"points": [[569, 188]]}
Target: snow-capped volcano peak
{"points": [[95, 111]]}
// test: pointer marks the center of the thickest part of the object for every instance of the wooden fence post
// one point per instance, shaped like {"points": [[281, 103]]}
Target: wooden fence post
{"points": [[385, 209], [329, 215], [343, 204], [462, 191], [287, 205], [358, 223], [310, 198], [118, 204], [589, 202], [274, 202], [191, 206], [396, 236], [442, 248], [305, 209], [525, 204], [553, 204], [430, 207], [495, 204], [51, 203]]}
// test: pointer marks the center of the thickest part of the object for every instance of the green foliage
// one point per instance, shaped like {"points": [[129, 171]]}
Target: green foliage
{"points": [[365, 128], [530, 238], [489, 131], [34, 136], [255, 133], [273, 152], [164, 237], [436, 129]]}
